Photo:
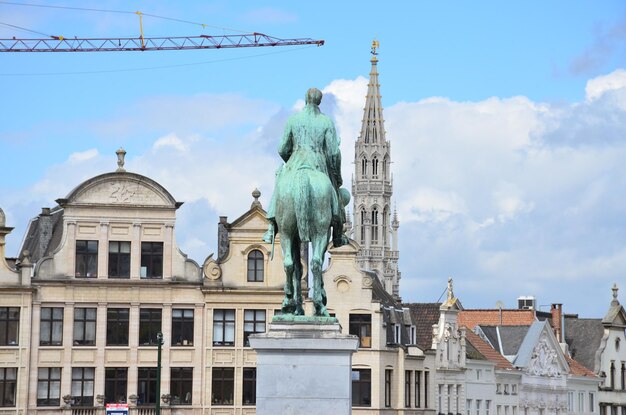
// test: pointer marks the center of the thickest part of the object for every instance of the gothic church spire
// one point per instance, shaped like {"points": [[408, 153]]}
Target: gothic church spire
{"points": [[372, 187]]}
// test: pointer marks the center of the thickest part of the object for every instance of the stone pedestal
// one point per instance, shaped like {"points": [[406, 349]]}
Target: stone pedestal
{"points": [[304, 366]]}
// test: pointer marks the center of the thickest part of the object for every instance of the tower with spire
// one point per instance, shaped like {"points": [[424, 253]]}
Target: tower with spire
{"points": [[374, 225]]}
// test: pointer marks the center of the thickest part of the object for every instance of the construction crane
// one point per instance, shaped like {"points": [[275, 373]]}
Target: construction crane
{"points": [[141, 43], [62, 44]]}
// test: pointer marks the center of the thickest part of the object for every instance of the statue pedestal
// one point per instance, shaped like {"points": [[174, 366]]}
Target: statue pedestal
{"points": [[304, 366]]}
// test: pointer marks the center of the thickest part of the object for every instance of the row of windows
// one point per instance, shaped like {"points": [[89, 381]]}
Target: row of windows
{"points": [[150, 323], [374, 167], [453, 395], [374, 226], [151, 260], [415, 388], [115, 386], [506, 389], [578, 405], [487, 408], [119, 259], [51, 326]]}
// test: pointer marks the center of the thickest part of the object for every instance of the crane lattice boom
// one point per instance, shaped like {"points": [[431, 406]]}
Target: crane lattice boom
{"points": [[62, 44]]}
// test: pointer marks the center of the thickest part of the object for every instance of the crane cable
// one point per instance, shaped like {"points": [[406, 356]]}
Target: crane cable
{"points": [[49, 6]]}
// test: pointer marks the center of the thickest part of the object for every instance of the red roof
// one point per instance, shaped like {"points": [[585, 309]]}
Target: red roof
{"points": [[489, 352], [495, 317], [577, 369]]}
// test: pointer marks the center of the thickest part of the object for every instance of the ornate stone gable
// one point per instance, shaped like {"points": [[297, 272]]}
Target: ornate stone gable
{"points": [[120, 189], [544, 360]]}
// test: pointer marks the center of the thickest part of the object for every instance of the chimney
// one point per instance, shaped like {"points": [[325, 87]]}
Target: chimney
{"points": [[557, 321], [44, 223], [222, 238]]}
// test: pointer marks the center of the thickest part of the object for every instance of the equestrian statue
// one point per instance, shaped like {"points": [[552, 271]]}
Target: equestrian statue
{"points": [[308, 203]]}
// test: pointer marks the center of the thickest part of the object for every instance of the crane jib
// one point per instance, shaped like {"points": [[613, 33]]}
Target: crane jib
{"points": [[63, 44]]}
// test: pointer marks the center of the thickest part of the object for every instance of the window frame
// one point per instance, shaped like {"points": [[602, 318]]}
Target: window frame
{"points": [[407, 388], [119, 262], [362, 388], [119, 382], [9, 325], [181, 384], [118, 327], [150, 324], [223, 380], [226, 322], [256, 259], [86, 258], [182, 327], [418, 387], [8, 383], [359, 323], [51, 383], [55, 324], [252, 325], [388, 380], [81, 378], [151, 260], [85, 323], [147, 386], [248, 375]]}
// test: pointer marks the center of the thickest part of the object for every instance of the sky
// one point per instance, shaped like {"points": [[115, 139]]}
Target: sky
{"points": [[507, 123]]}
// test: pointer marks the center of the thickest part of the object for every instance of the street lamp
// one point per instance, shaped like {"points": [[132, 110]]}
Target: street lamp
{"points": [[158, 379]]}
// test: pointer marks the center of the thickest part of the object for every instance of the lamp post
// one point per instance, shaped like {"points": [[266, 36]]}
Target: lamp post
{"points": [[158, 379]]}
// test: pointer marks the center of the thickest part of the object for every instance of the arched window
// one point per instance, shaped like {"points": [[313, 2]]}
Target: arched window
{"points": [[386, 168], [375, 226], [385, 216], [363, 218], [255, 266], [375, 167], [363, 167]]}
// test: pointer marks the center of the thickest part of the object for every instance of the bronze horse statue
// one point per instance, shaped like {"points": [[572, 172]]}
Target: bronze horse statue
{"points": [[307, 201]]}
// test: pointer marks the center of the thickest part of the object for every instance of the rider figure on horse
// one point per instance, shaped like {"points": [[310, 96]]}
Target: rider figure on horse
{"points": [[310, 141]]}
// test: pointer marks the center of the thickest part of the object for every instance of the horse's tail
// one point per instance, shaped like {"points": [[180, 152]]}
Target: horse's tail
{"points": [[303, 205]]}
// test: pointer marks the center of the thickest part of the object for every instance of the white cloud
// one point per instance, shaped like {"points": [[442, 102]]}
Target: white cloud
{"points": [[596, 87], [170, 140], [81, 156]]}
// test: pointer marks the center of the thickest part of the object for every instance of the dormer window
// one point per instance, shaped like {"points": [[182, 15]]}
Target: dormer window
{"points": [[87, 259], [255, 266]]}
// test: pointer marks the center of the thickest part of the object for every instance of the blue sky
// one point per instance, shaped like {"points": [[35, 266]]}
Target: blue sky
{"points": [[507, 122]]}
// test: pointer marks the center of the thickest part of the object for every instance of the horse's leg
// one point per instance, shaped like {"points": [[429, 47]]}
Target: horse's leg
{"points": [[297, 276], [286, 245], [319, 244]]}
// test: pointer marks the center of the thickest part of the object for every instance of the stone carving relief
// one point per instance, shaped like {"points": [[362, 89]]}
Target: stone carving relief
{"points": [[543, 361], [211, 269], [121, 193]]}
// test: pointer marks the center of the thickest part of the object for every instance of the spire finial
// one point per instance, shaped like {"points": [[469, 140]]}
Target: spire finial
{"points": [[256, 194], [121, 153], [615, 290], [374, 52]]}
